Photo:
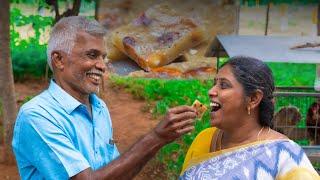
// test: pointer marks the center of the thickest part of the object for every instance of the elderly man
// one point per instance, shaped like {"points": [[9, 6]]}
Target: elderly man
{"points": [[66, 132]]}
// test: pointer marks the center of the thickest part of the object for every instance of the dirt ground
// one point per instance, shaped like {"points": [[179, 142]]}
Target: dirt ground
{"points": [[129, 120]]}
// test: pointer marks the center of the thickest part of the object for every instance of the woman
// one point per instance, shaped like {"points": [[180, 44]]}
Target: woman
{"points": [[241, 143]]}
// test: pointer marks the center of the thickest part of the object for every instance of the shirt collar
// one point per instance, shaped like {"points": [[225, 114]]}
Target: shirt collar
{"points": [[66, 101]]}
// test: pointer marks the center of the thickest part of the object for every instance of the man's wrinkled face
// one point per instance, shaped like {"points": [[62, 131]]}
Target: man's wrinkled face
{"points": [[85, 66]]}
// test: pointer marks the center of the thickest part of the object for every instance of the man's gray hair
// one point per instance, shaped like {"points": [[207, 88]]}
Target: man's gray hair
{"points": [[63, 33]]}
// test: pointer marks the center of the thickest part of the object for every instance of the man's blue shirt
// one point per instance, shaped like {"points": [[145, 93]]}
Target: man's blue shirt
{"points": [[55, 137]]}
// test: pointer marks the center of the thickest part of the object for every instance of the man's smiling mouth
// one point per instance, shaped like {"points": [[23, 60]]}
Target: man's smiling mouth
{"points": [[95, 75]]}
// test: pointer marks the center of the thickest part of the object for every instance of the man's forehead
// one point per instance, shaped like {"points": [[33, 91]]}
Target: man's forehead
{"points": [[85, 40], [83, 36]]}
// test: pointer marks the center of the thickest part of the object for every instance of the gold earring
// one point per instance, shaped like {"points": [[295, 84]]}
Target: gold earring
{"points": [[249, 110]]}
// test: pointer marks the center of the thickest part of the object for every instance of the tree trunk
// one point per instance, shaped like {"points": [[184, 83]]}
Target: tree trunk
{"points": [[55, 5], [6, 82], [96, 9], [267, 19], [69, 12]]}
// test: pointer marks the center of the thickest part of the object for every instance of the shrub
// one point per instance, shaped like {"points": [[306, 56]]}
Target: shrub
{"points": [[28, 55]]}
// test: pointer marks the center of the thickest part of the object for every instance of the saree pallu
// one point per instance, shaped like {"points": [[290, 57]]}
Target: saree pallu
{"points": [[269, 159]]}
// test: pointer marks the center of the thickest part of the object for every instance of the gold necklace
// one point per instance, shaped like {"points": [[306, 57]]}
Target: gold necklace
{"points": [[258, 139], [220, 136], [258, 135]]}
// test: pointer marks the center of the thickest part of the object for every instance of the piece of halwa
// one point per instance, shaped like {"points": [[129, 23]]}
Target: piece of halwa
{"points": [[157, 37]]}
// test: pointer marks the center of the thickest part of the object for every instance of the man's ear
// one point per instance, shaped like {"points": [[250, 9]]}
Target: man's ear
{"points": [[255, 99], [57, 60]]}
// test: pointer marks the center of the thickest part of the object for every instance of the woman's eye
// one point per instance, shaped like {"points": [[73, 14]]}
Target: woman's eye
{"points": [[224, 85]]}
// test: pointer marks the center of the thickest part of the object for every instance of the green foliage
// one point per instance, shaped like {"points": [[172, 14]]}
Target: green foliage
{"points": [[303, 142], [28, 55], [289, 74], [43, 3]]}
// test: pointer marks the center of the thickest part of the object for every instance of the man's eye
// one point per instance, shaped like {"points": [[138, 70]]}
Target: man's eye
{"points": [[92, 55]]}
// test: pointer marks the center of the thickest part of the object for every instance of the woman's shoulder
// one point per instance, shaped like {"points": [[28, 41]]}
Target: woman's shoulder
{"points": [[289, 144], [286, 144], [291, 156]]}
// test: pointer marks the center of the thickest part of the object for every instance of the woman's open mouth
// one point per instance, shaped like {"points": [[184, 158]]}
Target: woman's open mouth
{"points": [[214, 106]]}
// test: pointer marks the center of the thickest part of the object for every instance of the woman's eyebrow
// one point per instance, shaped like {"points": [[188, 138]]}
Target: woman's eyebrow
{"points": [[221, 79]]}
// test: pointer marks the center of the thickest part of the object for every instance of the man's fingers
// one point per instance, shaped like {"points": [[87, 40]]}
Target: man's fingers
{"points": [[179, 117], [185, 130], [182, 124], [181, 109]]}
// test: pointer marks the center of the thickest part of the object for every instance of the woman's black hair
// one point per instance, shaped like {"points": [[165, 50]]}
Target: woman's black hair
{"points": [[253, 74]]}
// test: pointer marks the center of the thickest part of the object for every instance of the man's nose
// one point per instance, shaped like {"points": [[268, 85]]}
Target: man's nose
{"points": [[101, 65]]}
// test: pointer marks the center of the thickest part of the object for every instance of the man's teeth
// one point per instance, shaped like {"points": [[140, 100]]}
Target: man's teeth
{"points": [[94, 76]]}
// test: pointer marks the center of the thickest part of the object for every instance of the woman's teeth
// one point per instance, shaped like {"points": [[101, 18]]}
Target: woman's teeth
{"points": [[215, 106]]}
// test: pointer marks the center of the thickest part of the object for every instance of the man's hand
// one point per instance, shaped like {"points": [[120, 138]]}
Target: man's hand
{"points": [[178, 121]]}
